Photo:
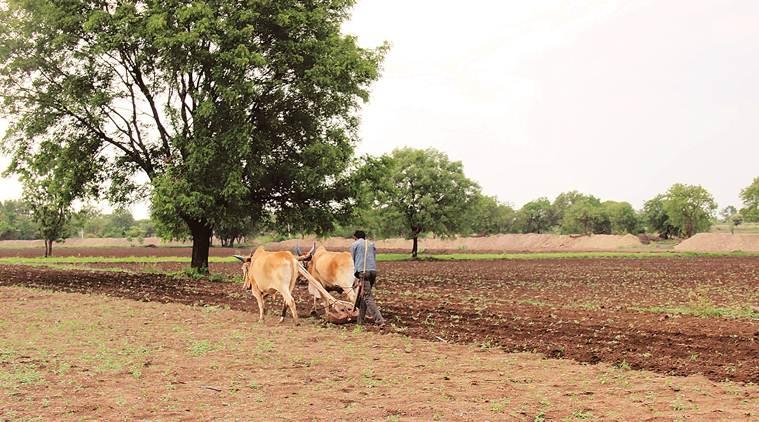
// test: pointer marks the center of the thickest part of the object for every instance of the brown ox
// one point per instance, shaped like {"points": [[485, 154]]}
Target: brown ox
{"points": [[266, 273], [333, 270]]}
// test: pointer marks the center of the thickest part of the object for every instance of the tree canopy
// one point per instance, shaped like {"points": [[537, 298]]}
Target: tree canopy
{"points": [[204, 106], [690, 208], [420, 191], [750, 198]]}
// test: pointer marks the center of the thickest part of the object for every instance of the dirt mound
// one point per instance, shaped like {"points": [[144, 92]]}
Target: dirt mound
{"points": [[500, 243], [720, 242]]}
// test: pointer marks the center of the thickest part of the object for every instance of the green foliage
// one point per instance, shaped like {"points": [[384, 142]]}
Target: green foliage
{"points": [[750, 198], [584, 215], [220, 105], [622, 217], [487, 216], [535, 216], [564, 201], [418, 191], [16, 221], [656, 218], [727, 214], [690, 208]]}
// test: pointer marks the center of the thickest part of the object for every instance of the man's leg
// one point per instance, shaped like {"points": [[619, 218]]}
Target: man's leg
{"points": [[361, 301], [371, 306]]}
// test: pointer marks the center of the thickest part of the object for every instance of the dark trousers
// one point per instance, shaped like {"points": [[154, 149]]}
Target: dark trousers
{"points": [[367, 303]]}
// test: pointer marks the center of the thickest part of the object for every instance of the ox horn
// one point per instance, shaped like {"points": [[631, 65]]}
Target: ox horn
{"points": [[313, 248], [297, 248], [240, 258]]}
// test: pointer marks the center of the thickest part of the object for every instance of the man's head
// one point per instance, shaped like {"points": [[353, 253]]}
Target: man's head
{"points": [[359, 234]]}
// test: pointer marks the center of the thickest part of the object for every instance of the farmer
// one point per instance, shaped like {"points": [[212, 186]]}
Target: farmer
{"points": [[365, 269]]}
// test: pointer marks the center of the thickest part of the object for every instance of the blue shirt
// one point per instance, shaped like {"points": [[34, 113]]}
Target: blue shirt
{"points": [[357, 252]]}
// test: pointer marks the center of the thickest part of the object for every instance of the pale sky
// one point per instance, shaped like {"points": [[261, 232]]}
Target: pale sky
{"points": [[619, 99]]}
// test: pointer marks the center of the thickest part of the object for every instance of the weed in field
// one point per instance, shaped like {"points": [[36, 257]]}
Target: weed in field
{"points": [[500, 406], [19, 375], [264, 346], [393, 418], [200, 348], [582, 414], [370, 379]]}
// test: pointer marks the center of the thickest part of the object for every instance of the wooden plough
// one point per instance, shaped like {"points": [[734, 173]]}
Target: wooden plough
{"points": [[337, 311]]}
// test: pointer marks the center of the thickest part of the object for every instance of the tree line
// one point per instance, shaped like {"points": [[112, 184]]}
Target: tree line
{"points": [[414, 192]]}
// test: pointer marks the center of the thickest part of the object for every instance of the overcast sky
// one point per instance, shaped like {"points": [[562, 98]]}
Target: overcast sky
{"points": [[619, 99]]}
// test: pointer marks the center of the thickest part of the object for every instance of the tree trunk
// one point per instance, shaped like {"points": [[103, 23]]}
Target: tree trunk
{"points": [[201, 242], [47, 251], [50, 247], [414, 248]]}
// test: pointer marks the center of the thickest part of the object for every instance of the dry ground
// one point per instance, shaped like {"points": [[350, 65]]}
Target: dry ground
{"points": [[70, 356]]}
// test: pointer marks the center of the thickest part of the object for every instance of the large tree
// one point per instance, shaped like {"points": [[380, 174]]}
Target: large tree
{"points": [[750, 197], [535, 216], [657, 219], [202, 105], [690, 208], [422, 190]]}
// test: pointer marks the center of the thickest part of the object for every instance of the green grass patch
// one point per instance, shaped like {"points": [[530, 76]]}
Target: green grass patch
{"points": [[701, 311], [555, 255], [18, 376], [108, 259], [388, 257]]}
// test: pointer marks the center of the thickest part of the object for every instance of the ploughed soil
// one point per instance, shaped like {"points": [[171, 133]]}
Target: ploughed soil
{"points": [[627, 312], [69, 356]]}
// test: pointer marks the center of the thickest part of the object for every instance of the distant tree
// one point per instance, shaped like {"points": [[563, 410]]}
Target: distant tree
{"points": [[535, 216], [750, 197], [564, 201], [51, 211], [487, 216], [585, 216], [690, 208], [728, 213], [16, 221], [118, 223], [238, 224], [622, 217], [424, 188], [656, 218]]}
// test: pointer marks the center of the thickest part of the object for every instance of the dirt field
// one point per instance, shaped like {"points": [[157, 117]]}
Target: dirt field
{"points": [[675, 316], [90, 357]]}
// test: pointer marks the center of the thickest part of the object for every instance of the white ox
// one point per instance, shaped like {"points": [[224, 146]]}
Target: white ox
{"points": [[333, 270], [266, 273]]}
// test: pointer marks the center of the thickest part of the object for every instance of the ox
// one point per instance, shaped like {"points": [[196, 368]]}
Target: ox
{"points": [[266, 273], [334, 270]]}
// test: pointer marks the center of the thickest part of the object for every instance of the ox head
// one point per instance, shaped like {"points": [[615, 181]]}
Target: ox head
{"points": [[299, 252], [246, 261]]}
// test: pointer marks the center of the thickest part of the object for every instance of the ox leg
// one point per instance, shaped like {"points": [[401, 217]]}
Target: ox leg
{"points": [[260, 300], [284, 311], [290, 303]]}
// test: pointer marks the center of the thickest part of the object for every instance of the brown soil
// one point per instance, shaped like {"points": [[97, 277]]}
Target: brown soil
{"points": [[581, 309], [90, 357], [720, 242]]}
